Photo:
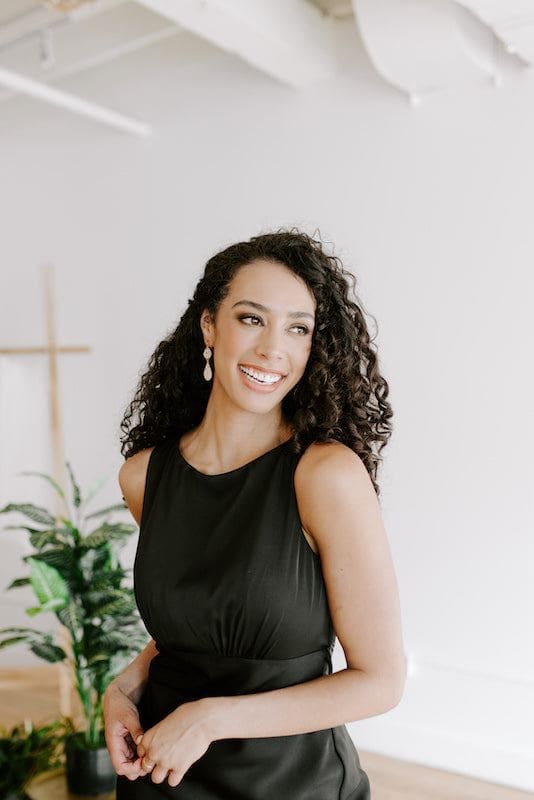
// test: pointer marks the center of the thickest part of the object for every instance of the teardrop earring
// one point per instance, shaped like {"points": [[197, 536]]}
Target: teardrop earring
{"points": [[207, 369]]}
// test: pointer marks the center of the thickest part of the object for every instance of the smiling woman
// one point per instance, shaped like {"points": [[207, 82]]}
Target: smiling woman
{"points": [[260, 539]]}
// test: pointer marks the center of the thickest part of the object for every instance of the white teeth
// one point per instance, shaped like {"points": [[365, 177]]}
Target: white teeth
{"points": [[261, 377]]}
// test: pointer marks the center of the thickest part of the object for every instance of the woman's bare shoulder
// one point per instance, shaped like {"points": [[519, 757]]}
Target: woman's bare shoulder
{"points": [[132, 479], [317, 452], [319, 461]]}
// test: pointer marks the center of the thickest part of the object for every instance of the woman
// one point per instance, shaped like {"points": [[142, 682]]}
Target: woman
{"points": [[251, 472]]}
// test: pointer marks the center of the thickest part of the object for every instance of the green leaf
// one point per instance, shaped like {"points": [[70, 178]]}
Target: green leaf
{"points": [[61, 558], [41, 538], [108, 533], [108, 510], [21, 528], [18, 582], [47, 582], [33, 610], [36, 513], [48, 651], [116, 639], [21, 630], [12, 640], [54, 604], [119, 603], [107, 594], [103, 580], [48, 478], [72, 616], [120, 606], [76, 494], [103, 562]]}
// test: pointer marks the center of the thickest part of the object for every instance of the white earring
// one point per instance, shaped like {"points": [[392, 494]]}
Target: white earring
{"points": [[207, 369]]}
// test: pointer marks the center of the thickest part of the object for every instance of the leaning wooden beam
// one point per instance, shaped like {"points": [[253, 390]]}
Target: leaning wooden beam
{"points": [[286, 39]]}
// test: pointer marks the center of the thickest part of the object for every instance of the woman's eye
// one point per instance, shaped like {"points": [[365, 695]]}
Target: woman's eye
{"points": [[303, 328], [249, 316]]}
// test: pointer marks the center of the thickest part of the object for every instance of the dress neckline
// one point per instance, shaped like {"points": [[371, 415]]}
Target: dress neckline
{"points": [[231, 471]]}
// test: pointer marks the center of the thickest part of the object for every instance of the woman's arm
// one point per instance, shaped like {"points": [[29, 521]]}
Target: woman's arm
{"points": [[132, 477], [132, 680]]}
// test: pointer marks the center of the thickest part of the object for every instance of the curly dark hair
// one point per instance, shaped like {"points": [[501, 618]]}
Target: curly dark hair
{"points": [[341, 396]]}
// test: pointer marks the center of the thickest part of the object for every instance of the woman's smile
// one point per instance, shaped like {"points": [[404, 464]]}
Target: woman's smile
{"points": [[255, 383]]}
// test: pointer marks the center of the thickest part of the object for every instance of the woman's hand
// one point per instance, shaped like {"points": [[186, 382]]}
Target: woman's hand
{"points": [[175, 743], [121, 728]]}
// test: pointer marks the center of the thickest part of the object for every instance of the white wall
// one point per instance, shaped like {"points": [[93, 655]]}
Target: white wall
{"points": [[431, 208]]}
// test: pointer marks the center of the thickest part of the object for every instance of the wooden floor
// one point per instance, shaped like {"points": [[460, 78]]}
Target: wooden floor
{"points": [[32, 693]]}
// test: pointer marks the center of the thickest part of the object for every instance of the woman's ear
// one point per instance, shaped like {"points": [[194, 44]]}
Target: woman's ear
{"points": [[206, 325]]}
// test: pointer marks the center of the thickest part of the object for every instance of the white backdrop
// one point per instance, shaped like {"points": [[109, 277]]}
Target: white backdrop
{"points": [[25, 445]]}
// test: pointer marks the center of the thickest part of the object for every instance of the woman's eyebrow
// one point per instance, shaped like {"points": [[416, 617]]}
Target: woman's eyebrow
{"points": [[260, 307]]}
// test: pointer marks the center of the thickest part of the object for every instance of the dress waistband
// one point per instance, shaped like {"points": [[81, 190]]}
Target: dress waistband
{"points": [[211, 674]]}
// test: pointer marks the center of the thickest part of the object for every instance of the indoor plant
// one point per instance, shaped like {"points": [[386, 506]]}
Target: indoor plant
{"points": [[75, 574], [27, 750]]}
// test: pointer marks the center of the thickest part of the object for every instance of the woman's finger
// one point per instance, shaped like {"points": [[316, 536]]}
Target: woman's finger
{"points": [[159, 774], [174, 777]]}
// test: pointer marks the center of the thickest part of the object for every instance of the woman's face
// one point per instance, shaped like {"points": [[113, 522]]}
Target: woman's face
{"points": [[265, 323]]}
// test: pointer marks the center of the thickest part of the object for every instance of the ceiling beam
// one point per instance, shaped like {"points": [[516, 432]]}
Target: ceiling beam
{"points": [[101, 56], [288, 40], [512, 23], [33, 88]]}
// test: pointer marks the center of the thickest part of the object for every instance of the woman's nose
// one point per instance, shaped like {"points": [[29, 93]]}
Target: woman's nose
{"points": [[270, 343]]}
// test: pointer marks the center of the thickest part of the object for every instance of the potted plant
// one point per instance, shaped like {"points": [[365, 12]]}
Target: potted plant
{"points": [[25, 752], [75, 574]]}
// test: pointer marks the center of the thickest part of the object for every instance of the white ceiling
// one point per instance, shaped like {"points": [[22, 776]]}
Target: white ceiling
{"points": [[340, 9], [418, 46]]}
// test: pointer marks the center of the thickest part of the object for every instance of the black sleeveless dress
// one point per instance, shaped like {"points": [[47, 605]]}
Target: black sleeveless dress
{"points": [[233, 595]]}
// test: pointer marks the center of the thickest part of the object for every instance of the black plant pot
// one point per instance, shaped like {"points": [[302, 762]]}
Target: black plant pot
{"points": [[89, 771]]}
